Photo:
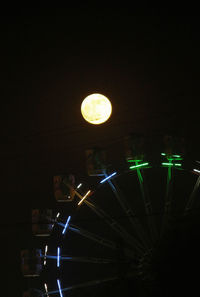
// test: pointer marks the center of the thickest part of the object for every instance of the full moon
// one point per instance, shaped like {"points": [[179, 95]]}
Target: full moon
{"points": [[96, 109]]}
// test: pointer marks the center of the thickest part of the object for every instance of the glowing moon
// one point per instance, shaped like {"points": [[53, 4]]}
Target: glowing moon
{"points": [[96, 109]]}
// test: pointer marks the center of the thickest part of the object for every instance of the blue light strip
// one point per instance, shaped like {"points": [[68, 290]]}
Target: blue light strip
{"points": [[108, 177], [66, 225], [59, 287], [58, 257]]}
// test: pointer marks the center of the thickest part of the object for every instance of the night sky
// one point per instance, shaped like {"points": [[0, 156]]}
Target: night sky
{"points": [[147, 65]]}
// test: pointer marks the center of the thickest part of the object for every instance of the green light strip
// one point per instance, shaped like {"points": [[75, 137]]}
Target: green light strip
{"points": [[131, 161], [171, 164], [139, 165], [139, 176], [177, 157]]}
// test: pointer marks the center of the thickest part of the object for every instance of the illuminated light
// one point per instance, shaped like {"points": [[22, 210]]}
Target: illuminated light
{"points": [[196, 170], [66, 225], [131, 160], [171, 164], [46, 289], [79, 186], [58, 257], [59, 288], [96, 109], [167, 164], [58, 214], [84, 197], [45, 254], [172, 156], [139, 165], [108, 177]]}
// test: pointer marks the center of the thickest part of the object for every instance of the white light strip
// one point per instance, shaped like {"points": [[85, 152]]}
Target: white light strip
{"points": [[79, 186], [108, 177], [84, 197], [59, 287], [196, 170], [45, 255], [46, 290], [58, 257], [58, 214], [66, 225]]}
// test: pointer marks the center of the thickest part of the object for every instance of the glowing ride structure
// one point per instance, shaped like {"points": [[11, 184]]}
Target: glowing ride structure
{"points": [[138, 234]]}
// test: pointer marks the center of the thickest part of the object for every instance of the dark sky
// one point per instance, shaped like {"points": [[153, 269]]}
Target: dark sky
{"points": [[147, 65]]}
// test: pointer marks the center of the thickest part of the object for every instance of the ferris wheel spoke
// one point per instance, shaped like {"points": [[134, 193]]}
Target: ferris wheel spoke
{"points": [[81, 259], [168, 199], [192, 197], [112, 223], [99, 239], [129, 212], [88, 260], [92, 236], [82, 285], [117, 227], [148, 206]]}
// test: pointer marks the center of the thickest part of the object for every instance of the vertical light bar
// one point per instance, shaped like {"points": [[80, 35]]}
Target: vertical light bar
{"points": [[46, 289], [45, 255], [66, 225], [58, 257], [57, 216], [80, 202], [59, 288], [108, 177]]}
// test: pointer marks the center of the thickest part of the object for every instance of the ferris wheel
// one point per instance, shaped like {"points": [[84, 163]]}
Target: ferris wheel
{"points": [[103, 235]]}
